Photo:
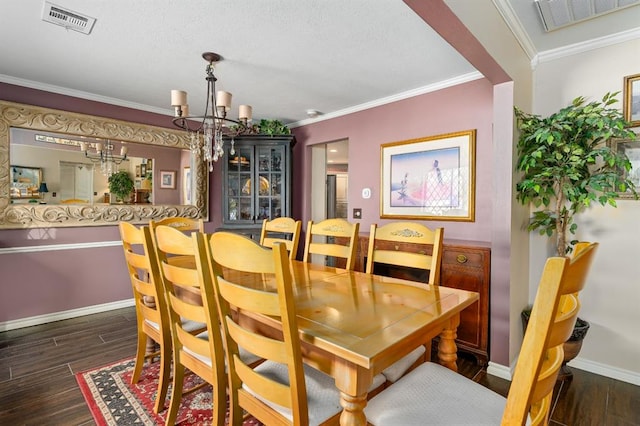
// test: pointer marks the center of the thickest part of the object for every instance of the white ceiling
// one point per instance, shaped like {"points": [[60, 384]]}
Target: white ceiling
{"points": [[280, 56]]}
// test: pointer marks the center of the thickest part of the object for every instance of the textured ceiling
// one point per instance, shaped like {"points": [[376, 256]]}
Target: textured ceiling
{"points": [[280, 56]]}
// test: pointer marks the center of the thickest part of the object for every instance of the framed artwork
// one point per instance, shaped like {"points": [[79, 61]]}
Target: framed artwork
{"points": [[631, 105], [167, 179], [138, 171], [431, 178], [25, 181], [143, 170], [632, 149], [186, 185]]}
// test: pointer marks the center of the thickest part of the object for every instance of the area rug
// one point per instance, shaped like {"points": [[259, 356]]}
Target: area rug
{"points": [[113, 400]]}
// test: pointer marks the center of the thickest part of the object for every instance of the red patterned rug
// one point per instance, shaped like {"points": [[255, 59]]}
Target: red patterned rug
{"points": [[113, 400]]}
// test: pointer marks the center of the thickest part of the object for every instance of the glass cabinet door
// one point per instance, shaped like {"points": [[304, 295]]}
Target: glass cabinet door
{"points": [[270, 176], [240, 206]]}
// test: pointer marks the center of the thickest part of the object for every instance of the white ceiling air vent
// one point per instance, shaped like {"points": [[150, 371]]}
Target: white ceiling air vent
{"points": [[67, 18], [560, 13]]}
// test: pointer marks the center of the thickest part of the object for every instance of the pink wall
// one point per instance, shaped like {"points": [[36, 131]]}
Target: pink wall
{"points": [[53, 281], [464, 107]]}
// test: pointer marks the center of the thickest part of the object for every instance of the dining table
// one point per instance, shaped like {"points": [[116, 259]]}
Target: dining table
{"points": [[353, 325]]}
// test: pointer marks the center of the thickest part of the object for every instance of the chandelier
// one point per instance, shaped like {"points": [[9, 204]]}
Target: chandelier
{"points": [[214, 124], [104, 155]]}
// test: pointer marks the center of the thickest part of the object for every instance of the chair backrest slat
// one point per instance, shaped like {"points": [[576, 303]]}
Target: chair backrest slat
{"points": [[337, 230], [410, 233], [184, 224], [282, 229]]}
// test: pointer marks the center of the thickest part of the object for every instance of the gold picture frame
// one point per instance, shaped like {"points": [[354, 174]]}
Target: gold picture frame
{"points": [[631, 104], [631, 148], [431, 178]]}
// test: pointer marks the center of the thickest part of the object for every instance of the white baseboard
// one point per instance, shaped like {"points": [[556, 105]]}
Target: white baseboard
{"points": [[616, 373], [499, 370], [57, 316]]}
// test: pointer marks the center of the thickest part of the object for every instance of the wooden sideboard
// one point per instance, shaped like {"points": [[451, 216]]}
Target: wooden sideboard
{"points": [[465, 265]]}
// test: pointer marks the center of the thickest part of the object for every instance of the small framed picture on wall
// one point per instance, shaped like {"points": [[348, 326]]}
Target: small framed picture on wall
{"points": [[631, 106], [167, 179]]}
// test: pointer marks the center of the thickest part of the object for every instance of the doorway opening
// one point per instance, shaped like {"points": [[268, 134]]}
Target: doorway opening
{"points": [[337, 174], [329, 182]]}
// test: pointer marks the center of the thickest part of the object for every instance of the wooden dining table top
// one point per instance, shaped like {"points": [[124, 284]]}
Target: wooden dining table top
{"points": [[359, 316]]}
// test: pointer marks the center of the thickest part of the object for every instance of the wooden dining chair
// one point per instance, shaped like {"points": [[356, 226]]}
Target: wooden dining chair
{"points": [[151, 308], [281, 390], [408, 245], [282, 229], [428, 245], [327, 237], [186, 280], [184, 224], [433, 394]]}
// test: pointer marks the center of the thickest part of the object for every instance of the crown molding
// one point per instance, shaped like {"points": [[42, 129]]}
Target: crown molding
{"points": [[82, 95], [514, 24], [585, 46], [465, 78]]}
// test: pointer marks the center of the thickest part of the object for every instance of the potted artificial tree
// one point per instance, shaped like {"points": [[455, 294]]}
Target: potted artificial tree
{"points": [[566, 165], [121, 185]]}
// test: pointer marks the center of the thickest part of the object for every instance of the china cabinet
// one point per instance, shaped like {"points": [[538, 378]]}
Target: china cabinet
{"points": [[256, 181]]}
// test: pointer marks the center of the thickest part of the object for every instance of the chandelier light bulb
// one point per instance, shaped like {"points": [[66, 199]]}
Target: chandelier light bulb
{"points": [[245, 112]]}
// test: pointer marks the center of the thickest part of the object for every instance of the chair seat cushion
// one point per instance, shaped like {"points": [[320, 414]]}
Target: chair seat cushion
{"points": [[378, 380], [323, 398], [434, 395], [246, 356], [400, 367], [191, 326], [188, 325]]}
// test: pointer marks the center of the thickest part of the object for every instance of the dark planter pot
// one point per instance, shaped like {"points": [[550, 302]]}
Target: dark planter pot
{"points": [[571, 347]]}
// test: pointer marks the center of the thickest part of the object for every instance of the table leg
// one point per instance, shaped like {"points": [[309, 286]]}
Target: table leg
{"points": [[447, 349], [353, 382], [151, 344], [353, 409]]}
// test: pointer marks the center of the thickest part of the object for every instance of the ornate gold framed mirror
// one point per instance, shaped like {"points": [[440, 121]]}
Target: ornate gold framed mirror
{"points": [[15, 214]]}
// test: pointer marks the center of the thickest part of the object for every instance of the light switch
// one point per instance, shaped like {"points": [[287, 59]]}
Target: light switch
{"points": [[357, 213], [366, 193]]}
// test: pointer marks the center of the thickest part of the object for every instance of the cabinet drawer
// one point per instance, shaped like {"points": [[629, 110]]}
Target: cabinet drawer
{"points": [[467, 259]]}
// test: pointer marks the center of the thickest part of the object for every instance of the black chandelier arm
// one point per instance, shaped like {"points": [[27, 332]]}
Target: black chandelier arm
{"points": [[183, 123], [105, 158]]}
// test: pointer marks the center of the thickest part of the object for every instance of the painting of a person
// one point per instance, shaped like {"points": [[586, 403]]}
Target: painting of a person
{"points": [[425, 179]]}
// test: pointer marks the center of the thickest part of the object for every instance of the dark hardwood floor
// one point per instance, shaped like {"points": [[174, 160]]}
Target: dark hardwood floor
{"points": [[38, 386]]}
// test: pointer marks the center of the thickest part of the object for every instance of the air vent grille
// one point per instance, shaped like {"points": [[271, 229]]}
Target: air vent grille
{"points": [[560, 13], [67, 18]]}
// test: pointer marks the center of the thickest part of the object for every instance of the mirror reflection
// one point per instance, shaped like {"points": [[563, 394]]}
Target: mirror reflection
{"points": [[76, 170], [20, 202]]}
